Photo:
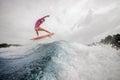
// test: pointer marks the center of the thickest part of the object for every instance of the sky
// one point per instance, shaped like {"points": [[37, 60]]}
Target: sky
{"points": [[83, 21]]}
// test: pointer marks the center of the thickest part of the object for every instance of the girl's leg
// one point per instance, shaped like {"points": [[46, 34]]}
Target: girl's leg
{"points": [[37, 32], [41, 29]]}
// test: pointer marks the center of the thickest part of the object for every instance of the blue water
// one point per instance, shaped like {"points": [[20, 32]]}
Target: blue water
{"points": [[35, 66], [62, 61]]}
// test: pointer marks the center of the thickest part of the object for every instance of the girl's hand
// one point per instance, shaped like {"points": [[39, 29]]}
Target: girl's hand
{"points": [[48, 16]]}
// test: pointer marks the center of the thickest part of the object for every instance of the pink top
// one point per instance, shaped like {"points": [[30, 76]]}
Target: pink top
{"points": [[38, 23]]}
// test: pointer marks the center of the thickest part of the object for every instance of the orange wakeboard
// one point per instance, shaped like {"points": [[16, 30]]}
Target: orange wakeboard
{"points": [[44, 36]]}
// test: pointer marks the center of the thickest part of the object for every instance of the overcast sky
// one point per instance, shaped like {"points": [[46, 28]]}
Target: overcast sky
{"points": [[74, 20]]}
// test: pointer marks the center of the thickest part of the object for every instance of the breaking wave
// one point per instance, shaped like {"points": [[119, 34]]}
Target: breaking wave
{"points": [[62, 60]]}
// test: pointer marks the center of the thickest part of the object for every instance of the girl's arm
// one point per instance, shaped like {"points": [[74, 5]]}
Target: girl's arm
{"points": [[45, 16]]}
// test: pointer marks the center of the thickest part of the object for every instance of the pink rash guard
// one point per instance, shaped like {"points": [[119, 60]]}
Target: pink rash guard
{"points": [[38, 23]]}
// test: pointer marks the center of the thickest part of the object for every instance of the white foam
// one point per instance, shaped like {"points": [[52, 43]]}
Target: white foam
{"points": [[81, 62]]}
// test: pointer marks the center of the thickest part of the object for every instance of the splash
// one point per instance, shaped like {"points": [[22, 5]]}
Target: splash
{"points": [[62, 60]]}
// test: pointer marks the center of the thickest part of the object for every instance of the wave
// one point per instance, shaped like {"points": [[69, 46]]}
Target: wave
{"points": [[62, 60], [38, 64]]}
